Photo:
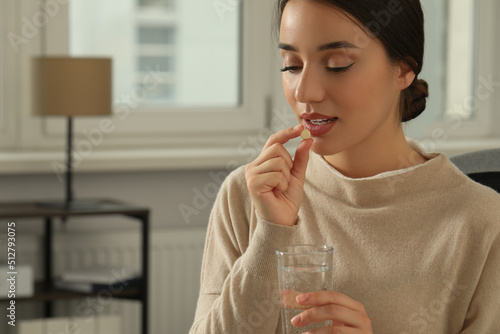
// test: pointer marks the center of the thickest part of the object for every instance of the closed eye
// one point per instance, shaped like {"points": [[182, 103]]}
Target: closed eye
{"points": [[340, 69], [292, 69], [289, 68]]}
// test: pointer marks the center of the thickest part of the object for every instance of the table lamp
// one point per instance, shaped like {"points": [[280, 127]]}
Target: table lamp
{"points": [[69, 87]]}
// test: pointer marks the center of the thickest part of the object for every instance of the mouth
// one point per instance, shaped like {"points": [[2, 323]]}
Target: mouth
{"points": [[319, 126], [321, 121]]}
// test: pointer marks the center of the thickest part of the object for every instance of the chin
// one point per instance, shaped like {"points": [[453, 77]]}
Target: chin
{"points": [[324, 149]]}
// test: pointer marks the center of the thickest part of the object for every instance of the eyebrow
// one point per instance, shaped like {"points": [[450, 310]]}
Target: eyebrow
{"points": [[323, 47]]}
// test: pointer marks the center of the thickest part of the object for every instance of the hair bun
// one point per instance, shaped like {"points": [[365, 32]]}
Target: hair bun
{"points": [[417, 99]]}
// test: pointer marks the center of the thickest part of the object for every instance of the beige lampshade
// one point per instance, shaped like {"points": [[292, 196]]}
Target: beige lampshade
{"points": [[69, 86]]}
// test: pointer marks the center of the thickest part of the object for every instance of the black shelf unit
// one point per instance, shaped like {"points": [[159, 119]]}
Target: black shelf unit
{"points": [[44, 291]]}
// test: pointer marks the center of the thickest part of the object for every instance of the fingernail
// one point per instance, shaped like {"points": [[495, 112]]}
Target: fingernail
{"points": [[302, 298], [296, 320], [295, 128]]}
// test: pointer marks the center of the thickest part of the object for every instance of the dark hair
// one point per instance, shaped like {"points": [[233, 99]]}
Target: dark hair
{"points": [[399, 25]]}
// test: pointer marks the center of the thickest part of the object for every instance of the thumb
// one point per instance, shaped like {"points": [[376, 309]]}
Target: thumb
{"points": [[301, 159]]}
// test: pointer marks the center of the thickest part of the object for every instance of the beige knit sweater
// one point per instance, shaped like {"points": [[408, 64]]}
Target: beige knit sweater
{"points": [[418, 247]]}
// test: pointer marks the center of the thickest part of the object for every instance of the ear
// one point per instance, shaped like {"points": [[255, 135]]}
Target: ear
{"points": [[405, 75]]}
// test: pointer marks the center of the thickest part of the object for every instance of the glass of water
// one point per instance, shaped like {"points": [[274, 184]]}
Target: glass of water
{"points": [[302, 268]]}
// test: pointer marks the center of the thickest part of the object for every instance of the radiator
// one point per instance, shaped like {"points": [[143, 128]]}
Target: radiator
{"points": [[174, 275], [97, 325]]}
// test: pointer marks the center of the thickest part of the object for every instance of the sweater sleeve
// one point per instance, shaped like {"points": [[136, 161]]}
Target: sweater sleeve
{"points": [[483, 315], [239, 285]]}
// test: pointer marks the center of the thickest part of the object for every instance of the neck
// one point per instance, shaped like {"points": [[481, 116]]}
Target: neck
{"points": [[384, 151]]}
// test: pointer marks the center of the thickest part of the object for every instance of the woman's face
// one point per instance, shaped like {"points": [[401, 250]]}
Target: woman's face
{"points": [[337, 78]]}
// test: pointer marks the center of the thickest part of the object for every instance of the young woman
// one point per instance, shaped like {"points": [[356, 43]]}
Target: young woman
{"points": [[416, 243]]}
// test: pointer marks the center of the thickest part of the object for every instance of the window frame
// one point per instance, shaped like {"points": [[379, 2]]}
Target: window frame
{"points": [[144, 140], [458, 135], [153, 126]]}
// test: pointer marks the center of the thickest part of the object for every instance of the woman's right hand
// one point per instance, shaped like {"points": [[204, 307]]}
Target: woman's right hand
{"points": [[276, 181]]}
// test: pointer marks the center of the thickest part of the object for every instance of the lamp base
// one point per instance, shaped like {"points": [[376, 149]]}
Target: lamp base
{"points": [[79, 204]]}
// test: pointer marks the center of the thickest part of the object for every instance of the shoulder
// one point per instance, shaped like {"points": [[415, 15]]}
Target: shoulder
{"points": [[235, 184], [478, 206], [474, 195], [482, 200], [460, 201]]}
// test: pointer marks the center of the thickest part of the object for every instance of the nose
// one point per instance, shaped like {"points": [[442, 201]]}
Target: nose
{"points": [[309, 87]]}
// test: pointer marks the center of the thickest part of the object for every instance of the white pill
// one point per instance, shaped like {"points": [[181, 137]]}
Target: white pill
{"points": [[306, 134]]}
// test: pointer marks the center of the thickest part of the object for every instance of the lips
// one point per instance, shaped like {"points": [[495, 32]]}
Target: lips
{"points": [[322, 121], [318, 124]]}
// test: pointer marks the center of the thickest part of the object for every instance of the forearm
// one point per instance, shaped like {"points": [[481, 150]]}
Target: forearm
{"points": [[245, 305], [249, 299]]}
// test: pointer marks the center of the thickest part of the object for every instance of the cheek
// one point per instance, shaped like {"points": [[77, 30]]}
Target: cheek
{"points": [[289, 89], [366, 91], [350, 94]]}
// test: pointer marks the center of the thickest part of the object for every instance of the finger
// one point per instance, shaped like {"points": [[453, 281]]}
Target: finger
{"points": [[288, 299], [264, 183], [284, 136], [301, 159], [339, 314], [337, 329], [329, 297], [278, 164], [274, 151]]}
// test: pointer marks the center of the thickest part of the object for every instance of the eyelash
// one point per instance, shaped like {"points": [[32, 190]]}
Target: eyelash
{"points": [[330, 69]]}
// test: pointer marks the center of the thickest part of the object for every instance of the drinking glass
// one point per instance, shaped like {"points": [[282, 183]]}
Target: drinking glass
{"points": [[302, 268]]}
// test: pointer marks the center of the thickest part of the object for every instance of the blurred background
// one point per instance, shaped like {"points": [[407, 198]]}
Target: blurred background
{"points": [[196, 93]]}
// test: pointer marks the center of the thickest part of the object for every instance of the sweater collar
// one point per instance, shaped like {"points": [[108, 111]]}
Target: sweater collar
{"points": [[385, 188]]}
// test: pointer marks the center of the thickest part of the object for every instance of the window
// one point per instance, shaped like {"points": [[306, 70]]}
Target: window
{"points": [[190, 79], [156, 48], [433, 71], [459, 44], [462, 61], [176, 64]]}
